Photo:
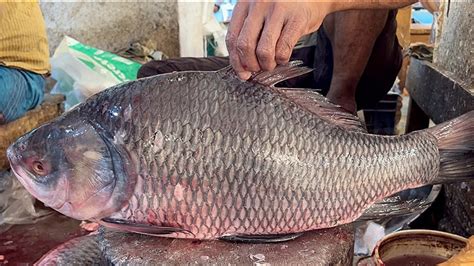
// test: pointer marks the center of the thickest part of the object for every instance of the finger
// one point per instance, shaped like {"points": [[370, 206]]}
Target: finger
{"points": [[248, 38], [237, 21], [268, 41], [237, 66], [290, 35]]}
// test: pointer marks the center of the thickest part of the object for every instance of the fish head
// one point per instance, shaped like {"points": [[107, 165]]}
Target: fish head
{"points": [[69, 167]]}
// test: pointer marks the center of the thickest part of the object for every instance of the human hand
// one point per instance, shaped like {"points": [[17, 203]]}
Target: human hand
{"points": [[263, 34]]}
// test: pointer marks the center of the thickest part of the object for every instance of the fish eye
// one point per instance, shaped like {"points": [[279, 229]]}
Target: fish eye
{"points": [[38, 168]]}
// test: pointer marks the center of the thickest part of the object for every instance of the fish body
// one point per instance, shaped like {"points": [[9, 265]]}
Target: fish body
{"points": [[83, 250], [205, 155]]}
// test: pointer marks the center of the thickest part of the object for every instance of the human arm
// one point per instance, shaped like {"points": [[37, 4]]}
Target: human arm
{"points": [[263, 34], [431, 5]]}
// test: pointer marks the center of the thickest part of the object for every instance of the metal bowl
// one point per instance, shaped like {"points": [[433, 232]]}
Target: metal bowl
{"points": [[417, 247]]}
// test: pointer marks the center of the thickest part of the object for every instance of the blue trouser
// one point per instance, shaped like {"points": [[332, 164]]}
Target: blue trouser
{"points": [[20, 91]]}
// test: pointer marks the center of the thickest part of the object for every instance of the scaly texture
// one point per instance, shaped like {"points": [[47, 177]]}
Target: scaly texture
{"points": [[82, 250], [217, 156]]}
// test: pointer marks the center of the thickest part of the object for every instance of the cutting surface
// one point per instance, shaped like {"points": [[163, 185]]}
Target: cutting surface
{"points": [[322, 247]]}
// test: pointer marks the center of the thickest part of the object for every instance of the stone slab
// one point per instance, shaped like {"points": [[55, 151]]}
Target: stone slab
{"points": [[454, 50], [440, 94], [321, 247]]}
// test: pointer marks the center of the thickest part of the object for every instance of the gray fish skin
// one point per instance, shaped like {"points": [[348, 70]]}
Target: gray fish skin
{"points": [[214, 156], [83, 250], [236, 159]]}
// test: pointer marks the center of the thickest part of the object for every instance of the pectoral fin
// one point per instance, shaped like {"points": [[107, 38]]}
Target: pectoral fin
{"points": [[258, 239], [145, 229]]}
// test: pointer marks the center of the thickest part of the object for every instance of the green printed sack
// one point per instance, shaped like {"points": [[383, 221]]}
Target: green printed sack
{"points": [[82, 71]]}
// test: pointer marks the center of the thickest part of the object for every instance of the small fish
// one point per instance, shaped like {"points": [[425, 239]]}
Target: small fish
{"points": [[204, 155]]}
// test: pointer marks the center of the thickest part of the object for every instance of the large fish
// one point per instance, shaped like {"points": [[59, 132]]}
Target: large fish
{"points": [[205, 155]]}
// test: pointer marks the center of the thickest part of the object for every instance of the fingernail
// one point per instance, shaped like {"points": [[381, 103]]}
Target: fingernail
{"points": [[244, 75]]}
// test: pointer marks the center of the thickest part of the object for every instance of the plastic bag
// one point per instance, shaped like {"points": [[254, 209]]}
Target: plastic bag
{"points": [[212, 27], [82, 71], [417, 200], [16, 204]]}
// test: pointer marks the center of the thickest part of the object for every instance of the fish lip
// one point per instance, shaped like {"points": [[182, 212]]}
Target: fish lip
{"points": [[16, 163], [13, 158], [15, 171]]}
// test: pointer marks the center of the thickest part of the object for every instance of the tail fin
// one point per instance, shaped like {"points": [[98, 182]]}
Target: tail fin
{"points": [[456, 148]]}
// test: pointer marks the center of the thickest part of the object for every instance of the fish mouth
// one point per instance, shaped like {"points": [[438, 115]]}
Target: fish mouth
{"points": [[17, 166], [22, 175], [12, 157]]}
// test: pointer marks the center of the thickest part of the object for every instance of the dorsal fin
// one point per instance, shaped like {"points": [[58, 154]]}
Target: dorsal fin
{"points": [[308, 99], [322, 107], [280, 73]]}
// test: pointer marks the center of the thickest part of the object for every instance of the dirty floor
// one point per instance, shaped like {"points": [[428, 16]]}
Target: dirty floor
{"points": [[25, 244]]}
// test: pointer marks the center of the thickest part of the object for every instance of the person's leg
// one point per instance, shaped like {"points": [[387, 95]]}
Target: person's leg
{"points": [[353, 35], [382, 68], [20, 91]]}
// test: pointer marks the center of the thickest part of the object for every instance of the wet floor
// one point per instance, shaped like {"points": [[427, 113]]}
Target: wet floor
{"points": [[25, 244]]}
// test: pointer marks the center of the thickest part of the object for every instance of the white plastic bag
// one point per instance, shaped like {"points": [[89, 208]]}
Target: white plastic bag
{"points": [[16, 204], [82, 71], [212, 27]]}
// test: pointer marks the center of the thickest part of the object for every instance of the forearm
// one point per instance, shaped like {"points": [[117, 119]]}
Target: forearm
{"points": [[262, 34], [367, 4]]}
